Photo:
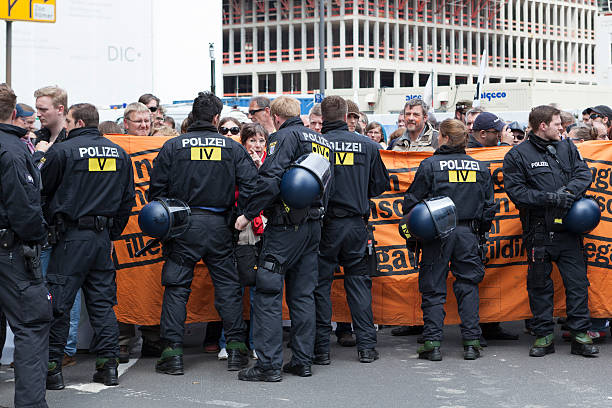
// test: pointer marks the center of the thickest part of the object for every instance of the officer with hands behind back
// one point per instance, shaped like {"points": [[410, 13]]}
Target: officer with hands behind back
{"points": [[88, 190], [202, 169], [23, 295], [543, 176], [467, 182], [290, 245], [359, 174]]}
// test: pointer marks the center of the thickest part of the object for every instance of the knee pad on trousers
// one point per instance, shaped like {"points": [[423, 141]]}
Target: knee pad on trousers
{"points": [[174, 274], [269, 278]]}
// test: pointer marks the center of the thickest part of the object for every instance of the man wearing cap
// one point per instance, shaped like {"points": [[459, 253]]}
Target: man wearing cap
{"points": [[518, 131], [24, 117], [486, 130], [353, 115], [603, 114]]}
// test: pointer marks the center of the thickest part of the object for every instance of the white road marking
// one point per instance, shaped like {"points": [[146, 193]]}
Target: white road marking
{"points": [[231, 404], [94, 388]]}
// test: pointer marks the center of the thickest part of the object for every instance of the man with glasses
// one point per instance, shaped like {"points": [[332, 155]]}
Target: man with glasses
{"points": [[259, 112], [602, 114], [137, 119], [486, 130], [518, 131]]}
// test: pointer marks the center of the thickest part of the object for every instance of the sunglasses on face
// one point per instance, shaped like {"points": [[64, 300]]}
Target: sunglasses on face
{"points": [[595, 116], [254, 111], [153, 109], [234, 130]]}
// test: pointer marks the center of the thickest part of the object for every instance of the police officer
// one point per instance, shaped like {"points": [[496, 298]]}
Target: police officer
{"points": [[467, 182], [202, 169], [359, 174], [543, 176], [88, 189], [24, 297], [289, 252]]}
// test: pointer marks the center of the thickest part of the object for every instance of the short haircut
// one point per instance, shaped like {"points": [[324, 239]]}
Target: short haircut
{"points": [[85, 112], [58, 95], [542, 114], [583, 133], [206, 106], [286, 107], [252, 129], [135, 107], [567, 118], [26, 107], [261, 101], [316, 110], [334, 108], [146, 98], [165, 131], [417, 102], [8, 100], [108, 127], [455, 130]]}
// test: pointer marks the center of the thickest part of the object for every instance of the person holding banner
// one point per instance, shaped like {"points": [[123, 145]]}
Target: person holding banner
{"points": [[543, 176], [202, 169], [467, 182]]}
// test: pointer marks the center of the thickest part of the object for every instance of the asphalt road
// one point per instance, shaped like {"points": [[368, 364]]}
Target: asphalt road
{"points": [[504, 377]]}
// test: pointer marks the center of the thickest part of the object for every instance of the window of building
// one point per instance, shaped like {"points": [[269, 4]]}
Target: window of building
{"points": [[292, 82], [423, 79], [461, 80], [267, 83], [406, 79], [234, 85], [386, 79], [343, 79], [443, 80], [366, 79], [509, 80], [494, 80], [313, 80]]}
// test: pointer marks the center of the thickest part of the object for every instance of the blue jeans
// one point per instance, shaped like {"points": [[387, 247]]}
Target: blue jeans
{"points": [[75, 312]]}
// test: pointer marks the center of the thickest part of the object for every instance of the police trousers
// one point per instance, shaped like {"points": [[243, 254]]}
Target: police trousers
{"points": [[209, 238], [344, 241], [82, 259], [289, 254], [26, 303], [460, 249], [565, 250]]}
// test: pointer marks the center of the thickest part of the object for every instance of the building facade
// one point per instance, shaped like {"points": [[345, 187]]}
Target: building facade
{"points": [[377, 46]]}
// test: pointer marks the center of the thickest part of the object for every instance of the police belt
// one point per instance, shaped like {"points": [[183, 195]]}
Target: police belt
{"points": [[278, 216], [8, 238], [90, 222], [209, 210]]}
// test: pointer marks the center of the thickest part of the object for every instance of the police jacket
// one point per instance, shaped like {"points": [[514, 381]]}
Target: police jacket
{"points": [[88, 175], [359, 172], [537, 166], [290, 142], [452, 173], [203, 168], [20, 208]]}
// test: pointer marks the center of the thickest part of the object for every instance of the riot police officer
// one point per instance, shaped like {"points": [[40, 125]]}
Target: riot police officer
{"points": [[467, 182], [359, 174], [543, 176], [24, 297], [88, 189], [202, 169], [289, 251]]}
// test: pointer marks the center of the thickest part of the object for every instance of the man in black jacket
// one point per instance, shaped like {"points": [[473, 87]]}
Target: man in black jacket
{"points": [[88, 188], [202, 169], [543, 176], [360, 174], [289, 251], [23, 295]]}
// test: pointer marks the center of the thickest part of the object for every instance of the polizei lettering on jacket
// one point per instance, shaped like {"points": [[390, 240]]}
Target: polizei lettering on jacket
{"points": [[98, 151], [459, 165], [346, 146], [318, 143], [204, 141], [539, 164]]}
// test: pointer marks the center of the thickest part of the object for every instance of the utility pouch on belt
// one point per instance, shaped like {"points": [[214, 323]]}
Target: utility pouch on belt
{"points": [[246, 263], [371, 251], [31, 255], [269, 275], [7, 238]]}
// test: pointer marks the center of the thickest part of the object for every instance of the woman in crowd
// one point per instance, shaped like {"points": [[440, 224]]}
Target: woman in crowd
{"points": [[230, 127], [376, 132]]}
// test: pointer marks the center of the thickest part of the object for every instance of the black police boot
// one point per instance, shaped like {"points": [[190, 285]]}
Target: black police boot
{"points": [[106, 371], [237, 355], [171, 361], [321, 358], [471, 349], [55, 379], [583, 345], [430, 350], [494, 331], [368, 355], [297, 369], [258, 374], [151, 348], [542, 346]]}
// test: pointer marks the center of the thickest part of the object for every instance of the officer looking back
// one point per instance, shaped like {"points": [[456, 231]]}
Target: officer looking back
{"points": [[23, 295], [289, 252], [202, 169], [543, 176], [359, 175], [88, 189], [467, 182]]}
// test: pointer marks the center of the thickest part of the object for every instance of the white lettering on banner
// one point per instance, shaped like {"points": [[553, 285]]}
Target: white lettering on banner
{"points": [[459, 165], [98, 151], [206, 141], [539, 164]]}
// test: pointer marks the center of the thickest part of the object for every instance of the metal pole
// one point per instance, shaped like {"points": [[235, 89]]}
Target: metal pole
{"points": [[212, 76], [322, 47], [9, 46]]}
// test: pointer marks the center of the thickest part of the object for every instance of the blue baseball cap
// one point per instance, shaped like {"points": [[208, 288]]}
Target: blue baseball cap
{"points": [[22, 113], [487, 120]]}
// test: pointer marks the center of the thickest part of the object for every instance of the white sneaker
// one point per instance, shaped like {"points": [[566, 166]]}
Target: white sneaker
{"points": [[222, 354], [253, 355]]}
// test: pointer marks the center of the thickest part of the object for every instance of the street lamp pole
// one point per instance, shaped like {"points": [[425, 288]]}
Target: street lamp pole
{"points": [[211, 49], [322, 47]]}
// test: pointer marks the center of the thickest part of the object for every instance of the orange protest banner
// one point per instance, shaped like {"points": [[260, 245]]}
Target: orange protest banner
{"points": [[396, 299]]}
